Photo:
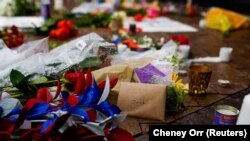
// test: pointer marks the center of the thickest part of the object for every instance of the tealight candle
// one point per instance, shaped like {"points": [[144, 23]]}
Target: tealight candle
{"points": [[223, 83], [244, 112], [225, 54]]}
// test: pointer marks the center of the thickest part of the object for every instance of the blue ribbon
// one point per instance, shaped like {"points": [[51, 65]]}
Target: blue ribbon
{"points": [[38, 110], [107, 109], [90, 96], [48, 124]]}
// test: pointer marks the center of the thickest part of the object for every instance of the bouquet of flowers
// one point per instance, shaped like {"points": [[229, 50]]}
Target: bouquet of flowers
{"points": [[11, 36], [87, 51], [65, 29]]}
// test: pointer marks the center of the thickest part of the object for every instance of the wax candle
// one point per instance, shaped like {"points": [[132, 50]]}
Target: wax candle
{"points": [[225, 54], [244, 112], [226, 112], [58, 4], [184, 51], [45, 9]]}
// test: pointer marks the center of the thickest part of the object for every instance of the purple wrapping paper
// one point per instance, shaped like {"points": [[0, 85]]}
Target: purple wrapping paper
{"points": [[146, 73]]}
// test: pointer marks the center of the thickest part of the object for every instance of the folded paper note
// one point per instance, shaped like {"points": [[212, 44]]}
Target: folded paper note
{"points": [[152, 74], [145, 74], [143, 100]]}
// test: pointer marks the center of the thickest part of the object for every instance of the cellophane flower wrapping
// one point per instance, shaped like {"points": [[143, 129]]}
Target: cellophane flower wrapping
{"points": [[74, 53]]}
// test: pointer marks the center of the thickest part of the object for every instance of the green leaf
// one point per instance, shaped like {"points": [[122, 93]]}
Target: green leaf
{"points": [[25, 80], [50, 22], [44, 28], [16, 77], [91, 62]]}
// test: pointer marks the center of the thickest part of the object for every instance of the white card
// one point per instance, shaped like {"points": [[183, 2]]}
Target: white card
{"points": [[81, 45]]}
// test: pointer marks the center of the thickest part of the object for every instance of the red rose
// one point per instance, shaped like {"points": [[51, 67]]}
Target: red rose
{"points": [[14, 30], [62, 33], [20, 36], [181, 39], [69, 24], [138, 29], [19, 40], [190, 11], [74, 32], [131, 43], [138, 17], [52, 34], [61, 24], [65, 24]]}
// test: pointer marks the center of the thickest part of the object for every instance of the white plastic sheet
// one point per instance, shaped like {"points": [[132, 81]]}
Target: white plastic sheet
{"points": [[21, 22], [12, 56]]}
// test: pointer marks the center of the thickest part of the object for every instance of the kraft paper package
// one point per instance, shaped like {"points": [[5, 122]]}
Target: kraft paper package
{"points": [[123, 71], [142, 100]]}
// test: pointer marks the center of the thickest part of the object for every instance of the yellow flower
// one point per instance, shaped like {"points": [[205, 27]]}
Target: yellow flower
{"points": [[177, 82]]}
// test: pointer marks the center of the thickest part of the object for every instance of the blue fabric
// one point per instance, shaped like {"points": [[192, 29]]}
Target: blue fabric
{"points": [[48, 124], [38, 110]]}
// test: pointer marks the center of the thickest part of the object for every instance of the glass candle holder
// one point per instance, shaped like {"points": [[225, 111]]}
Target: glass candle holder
{"points": [[199, 77]]}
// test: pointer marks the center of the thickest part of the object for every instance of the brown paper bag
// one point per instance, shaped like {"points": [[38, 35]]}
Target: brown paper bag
{"points": [[142, 100]]}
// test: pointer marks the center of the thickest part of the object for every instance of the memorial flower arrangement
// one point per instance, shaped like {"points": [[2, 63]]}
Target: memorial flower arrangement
{"points": [[87, 20], [180, 39], [144, 43], [225, 20], [11, 36], [65, 29], [77, 110]]}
